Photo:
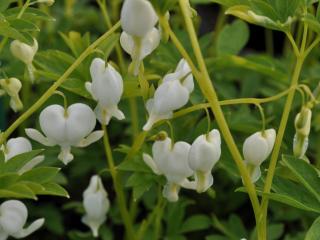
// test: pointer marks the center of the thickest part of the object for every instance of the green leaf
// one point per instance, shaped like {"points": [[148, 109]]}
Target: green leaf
{"points": [[18, 190], [8, 179], [141, 183], [54, 189], [306, 174], [23, 25], [31, 14], [196, 223], [4, 4], [40, 175], [17, 162], [314, 232], [233, 38]]}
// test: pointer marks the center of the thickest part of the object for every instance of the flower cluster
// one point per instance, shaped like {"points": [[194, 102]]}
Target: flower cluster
{"points": [[179, 161]]}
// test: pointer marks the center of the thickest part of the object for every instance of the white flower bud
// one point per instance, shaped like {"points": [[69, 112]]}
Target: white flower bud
{"points": [[301, 138], [96, 205], [204, 153], [171, 95], [172, 162], [16, 146], [139, 48], [13, 217], [256, 150], [23, 51], [138, 17], [106, 88], [66, 128], [12, 87]]}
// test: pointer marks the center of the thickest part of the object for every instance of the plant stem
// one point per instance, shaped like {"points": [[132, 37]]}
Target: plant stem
{"points": [[118, 186], [262, 224], [209, 92], [54, 86]]}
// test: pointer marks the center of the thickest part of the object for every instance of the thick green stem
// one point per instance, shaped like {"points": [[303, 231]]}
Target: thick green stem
{"points": [[208, 90], [54, 86]]}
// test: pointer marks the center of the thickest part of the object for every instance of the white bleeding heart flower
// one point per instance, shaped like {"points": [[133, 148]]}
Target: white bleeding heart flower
{"points": [[16, 146], [12, 87], [13, 217], [172, 94], [138, 17], [139, 48], [140, 37], [66, 127], [303, 126], [106, 88], [96, 205], [25, 53], [256, 150], [172, 162], [204, 153]]}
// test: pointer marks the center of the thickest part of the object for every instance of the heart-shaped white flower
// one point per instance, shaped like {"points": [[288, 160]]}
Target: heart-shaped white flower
{"points": [[138, 17], [13, 216], [172, 94], [256, 150], [17, 146], [96, 205], [172, 162], [106, 88], [204, 153], [66, 128]]}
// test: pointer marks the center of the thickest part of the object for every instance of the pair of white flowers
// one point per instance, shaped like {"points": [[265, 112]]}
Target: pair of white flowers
{"points": [[179, 161], [73, 127]]}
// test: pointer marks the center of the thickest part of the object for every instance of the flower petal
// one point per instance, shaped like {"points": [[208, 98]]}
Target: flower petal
{"points": [[38, 136]]}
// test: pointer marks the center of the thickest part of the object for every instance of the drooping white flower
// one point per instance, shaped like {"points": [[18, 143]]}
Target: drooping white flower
{"points": [[16, 146], [139, 48], [303, 126], [96, 205], [13, 217], [140, 37], [172, 94], [12, 87], [204, 153], [138, 17], [106, 88], [66, 127], [25, 53], [256, 150], [172, 162]]}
